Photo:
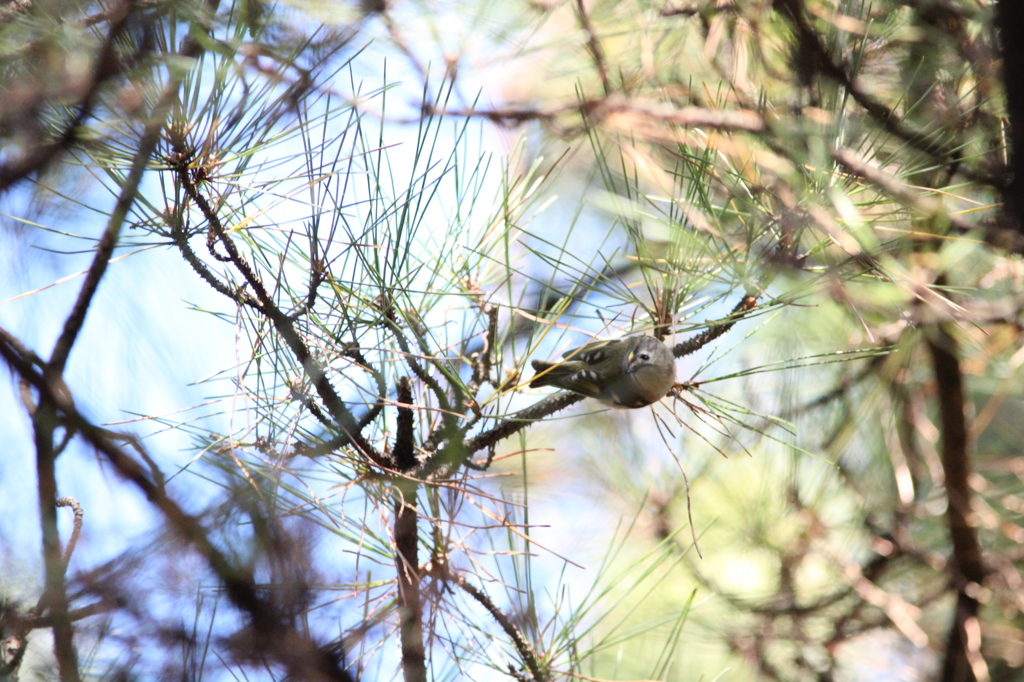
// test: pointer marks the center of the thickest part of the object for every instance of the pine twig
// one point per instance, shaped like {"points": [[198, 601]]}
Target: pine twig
{"points": [[526, 651]]}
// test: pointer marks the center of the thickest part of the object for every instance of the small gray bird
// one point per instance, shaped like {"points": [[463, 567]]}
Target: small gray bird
{"points": [[630, 372]]}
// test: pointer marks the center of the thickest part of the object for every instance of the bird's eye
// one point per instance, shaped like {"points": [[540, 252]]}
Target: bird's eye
{"points": [[645, 356]]}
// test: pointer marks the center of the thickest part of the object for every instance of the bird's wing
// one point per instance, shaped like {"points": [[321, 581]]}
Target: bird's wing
{"points": [[583, 382], [590, 354]]}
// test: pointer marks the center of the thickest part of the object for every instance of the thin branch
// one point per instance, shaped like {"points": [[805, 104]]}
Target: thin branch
{"points": [[594, 45], [421, 374], [545, 408], [814, 55], [107, 66], [962, 653], [295, 650], [448, 429], [307, 402], [598, 109], [105, 605], [76, 528], [894, 187], [180, 238], [1009, 239], [1009, 17], [44, 423], [692, 345], [410, 600], [107, 243], [404, 450], [483, 360], [283, 324], [190, 47], [526, 651], [342, 439]]}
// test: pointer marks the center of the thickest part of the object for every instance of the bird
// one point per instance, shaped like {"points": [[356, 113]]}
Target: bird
{"points": [[632, 372]]}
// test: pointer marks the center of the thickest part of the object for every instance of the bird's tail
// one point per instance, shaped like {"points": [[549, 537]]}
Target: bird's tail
{"points": [[548, 373]]}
